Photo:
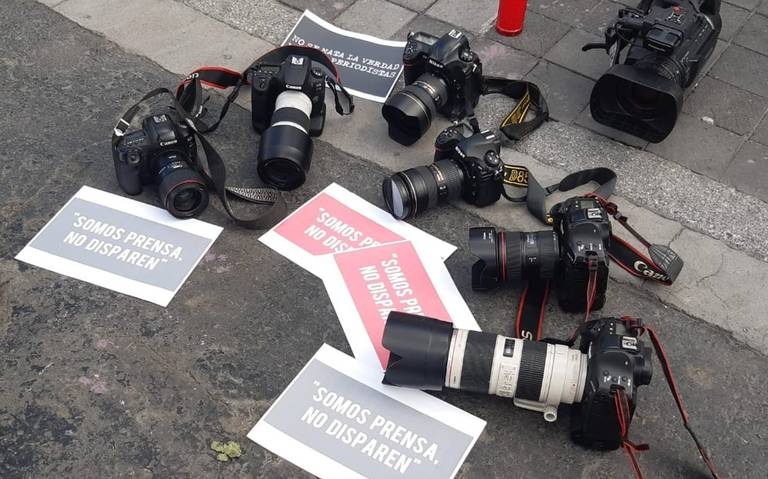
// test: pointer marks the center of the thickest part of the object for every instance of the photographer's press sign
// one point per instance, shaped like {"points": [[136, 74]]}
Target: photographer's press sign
{"points": [[121, 244], [368, 66], [336, 420], [371, 264]]}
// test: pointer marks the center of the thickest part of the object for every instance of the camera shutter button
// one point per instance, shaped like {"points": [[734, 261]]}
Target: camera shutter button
{"points": [[317, 73], [492, 159]]}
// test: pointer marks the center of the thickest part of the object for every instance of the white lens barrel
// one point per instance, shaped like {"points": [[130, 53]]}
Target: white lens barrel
{"points": [[539, 376], [292, 108]]}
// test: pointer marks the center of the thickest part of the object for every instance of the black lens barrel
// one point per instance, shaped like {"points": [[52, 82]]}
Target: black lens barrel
{"points": [[413, 191], [410, 111]]}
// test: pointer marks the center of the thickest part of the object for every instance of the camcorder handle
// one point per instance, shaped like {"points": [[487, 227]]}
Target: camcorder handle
{"points": [[662, 264], [190, 93], [216, 176]]}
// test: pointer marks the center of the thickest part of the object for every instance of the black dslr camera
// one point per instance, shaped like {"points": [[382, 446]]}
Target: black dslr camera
{"points": [[574, 253], [162, 153], [669, 42], [442, 74], [430, 354], [467, 165], [288, 106]]}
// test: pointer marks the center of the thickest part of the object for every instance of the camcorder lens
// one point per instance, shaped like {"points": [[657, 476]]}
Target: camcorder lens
{"points": [[285, 150], [410, 111], [181, 189], [415, 190], [430, 354], [512, 256]]}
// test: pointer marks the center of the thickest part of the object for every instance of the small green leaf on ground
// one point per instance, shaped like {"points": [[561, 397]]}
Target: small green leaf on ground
{"points": [[227, 451]]}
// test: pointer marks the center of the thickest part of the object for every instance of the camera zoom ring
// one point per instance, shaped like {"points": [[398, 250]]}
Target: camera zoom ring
{"points": [[449, 178], [531, 374], [513, 253], [478, 362]]}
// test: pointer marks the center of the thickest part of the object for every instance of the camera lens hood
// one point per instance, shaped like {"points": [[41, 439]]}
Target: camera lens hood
{"points": [[418, 350]]}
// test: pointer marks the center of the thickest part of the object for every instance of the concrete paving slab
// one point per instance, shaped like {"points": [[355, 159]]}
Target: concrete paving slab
{"points": [[539, 34], [761, 132], [699, 146], [570, 12], [205, 41], [266, 19], [501, 60], [747, 4], [665, 188], [366, 16], [730, 107], [763, 8], [567, 93], [733, 19], [749, 170], [734, 287], [744, 68], [754, 34], [479, 19], [600, 16], [325, 9], [567, 53], [433, 26], [415, 5]]}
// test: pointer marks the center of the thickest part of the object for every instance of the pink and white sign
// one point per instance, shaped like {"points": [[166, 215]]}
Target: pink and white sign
{"points": [[371, 264], [337, 220], [369, 283]]}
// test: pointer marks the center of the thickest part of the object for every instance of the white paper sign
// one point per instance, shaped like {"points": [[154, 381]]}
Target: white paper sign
{"points": [[121, 244], [336, 420]]}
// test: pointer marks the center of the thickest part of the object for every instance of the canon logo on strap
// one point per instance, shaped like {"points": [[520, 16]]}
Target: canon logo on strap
{"points": [[646, 270]]}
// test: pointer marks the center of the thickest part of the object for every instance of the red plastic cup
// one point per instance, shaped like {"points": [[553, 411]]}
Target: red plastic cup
{"points": [[509, 22]]}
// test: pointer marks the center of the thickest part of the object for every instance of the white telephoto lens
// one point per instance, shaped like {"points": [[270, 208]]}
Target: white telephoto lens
{"points": [[291, 101]]}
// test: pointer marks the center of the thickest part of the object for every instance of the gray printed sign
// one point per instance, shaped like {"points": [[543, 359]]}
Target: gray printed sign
{"points": [[336, 420], [121, 244], [369, 66]]}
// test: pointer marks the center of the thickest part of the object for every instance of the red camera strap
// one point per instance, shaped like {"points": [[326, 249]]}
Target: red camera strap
{"points": [[623, 411]]}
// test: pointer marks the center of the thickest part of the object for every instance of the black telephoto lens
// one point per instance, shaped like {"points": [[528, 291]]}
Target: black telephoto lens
{"points": [[181, 189], [512, 256], [413, 191], [410, 111]]}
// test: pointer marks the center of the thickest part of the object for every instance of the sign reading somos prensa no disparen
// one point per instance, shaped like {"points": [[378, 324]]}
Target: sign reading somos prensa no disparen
{"points": [[336, 420], [121, 244], [368, 66]]}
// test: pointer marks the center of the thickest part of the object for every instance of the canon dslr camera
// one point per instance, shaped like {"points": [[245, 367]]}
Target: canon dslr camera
{"points": [[430, 354], [467, 165], [669, 42], [288, 106], [162, 153], [574, 254], [442, 75]]}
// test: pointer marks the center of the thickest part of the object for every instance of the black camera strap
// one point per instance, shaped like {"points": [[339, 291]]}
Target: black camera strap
{"points": [[190, 93], [661, 264], [514, 126], [216, 176]]}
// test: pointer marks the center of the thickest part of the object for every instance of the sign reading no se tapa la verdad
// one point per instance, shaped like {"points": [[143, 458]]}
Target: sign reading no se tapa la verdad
{"points": [[121, 244], [369, 66]]}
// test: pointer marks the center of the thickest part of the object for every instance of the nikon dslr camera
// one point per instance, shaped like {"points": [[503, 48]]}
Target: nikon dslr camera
{"points": [[441, 75], [574, 254], [467, 165], [162, 153], [288, 105]]}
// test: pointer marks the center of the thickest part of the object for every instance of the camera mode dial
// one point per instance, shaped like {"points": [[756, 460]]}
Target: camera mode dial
{"points": [[492, 159]]}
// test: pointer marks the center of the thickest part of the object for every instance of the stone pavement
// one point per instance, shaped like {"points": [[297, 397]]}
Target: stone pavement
{"points": [[96, 384]]}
